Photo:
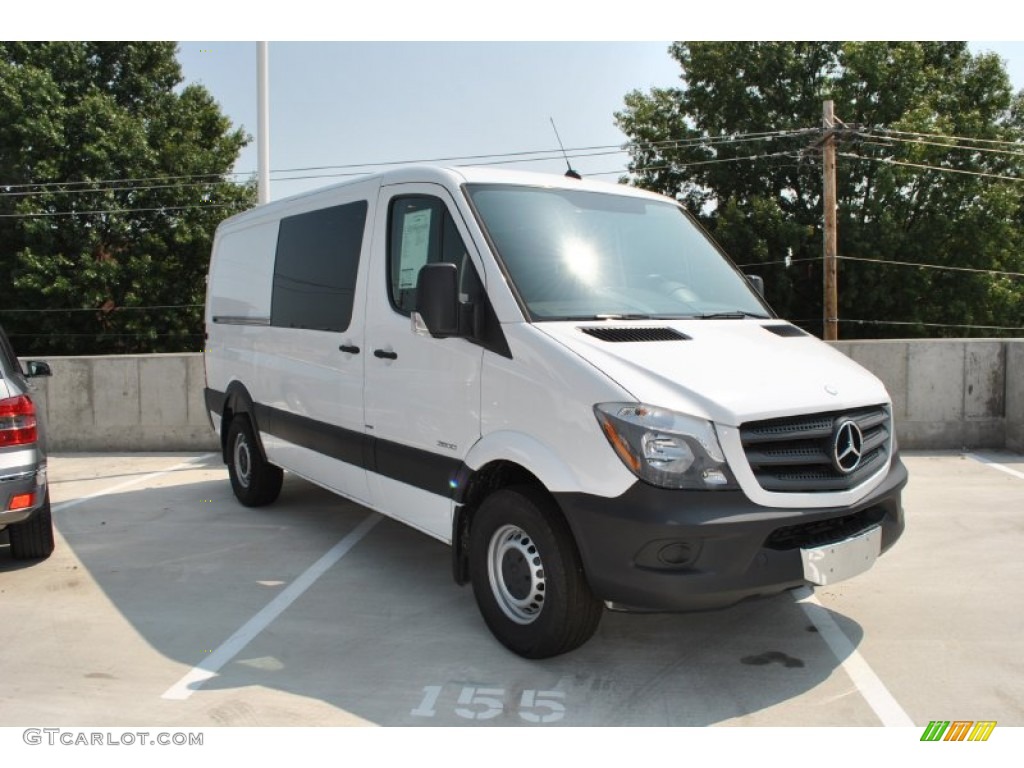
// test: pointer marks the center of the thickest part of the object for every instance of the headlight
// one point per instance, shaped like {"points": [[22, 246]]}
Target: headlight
{"points": [[665, 448]]}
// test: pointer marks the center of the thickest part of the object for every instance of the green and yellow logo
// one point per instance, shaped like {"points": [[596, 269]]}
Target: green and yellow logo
{"points": [[958, 730]]}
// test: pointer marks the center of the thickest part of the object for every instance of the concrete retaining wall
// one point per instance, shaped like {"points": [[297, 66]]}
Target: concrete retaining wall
{"points": [[125, 403], [1014, 400], [947, 394], [950, 393]]}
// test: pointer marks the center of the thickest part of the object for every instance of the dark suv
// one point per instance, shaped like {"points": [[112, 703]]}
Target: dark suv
{"points": [[24, 495]]}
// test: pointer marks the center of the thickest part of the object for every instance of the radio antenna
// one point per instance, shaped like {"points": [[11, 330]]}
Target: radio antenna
{"points": [[570, 172]]}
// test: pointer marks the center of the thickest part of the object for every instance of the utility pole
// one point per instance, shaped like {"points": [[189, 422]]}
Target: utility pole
{"points": [[830, 303], [263, 123]]}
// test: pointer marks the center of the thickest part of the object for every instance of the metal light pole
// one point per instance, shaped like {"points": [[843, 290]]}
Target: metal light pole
{"points": [[831, 292], [263, 123]]}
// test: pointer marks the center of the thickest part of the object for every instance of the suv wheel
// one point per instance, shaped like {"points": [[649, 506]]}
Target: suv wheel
{"points": [[32, 539]]}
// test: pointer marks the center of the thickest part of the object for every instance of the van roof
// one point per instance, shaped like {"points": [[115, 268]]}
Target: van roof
{"points": [[487, 175], [451, 177]]}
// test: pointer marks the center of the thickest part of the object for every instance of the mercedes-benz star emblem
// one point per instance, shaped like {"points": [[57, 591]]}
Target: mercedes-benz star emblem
{"points": [[847, 446]]}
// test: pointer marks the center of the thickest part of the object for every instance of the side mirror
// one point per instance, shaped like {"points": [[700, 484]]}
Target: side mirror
{"points": [[758, 284], [38, 368], [437, 299]]}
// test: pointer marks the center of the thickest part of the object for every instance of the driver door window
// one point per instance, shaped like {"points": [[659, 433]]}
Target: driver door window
{"points": [[422, 232]]}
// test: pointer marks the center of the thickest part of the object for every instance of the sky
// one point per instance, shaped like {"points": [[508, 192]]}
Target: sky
{"points": [[337, 106], [415, 82]]}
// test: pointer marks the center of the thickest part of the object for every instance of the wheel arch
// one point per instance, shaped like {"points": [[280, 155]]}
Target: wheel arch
{"points": [[238, 401], [498, 460], [478, 485], [535, 457]]}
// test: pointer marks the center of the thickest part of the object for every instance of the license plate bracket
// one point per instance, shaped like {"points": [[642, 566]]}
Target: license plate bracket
{"points": [[842, 560]]}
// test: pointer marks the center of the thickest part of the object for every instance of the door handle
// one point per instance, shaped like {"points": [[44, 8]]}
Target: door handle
{"points": [[385, 354], [352, 349]]}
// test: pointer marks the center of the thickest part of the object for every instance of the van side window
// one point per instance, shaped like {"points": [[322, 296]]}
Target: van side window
{"points": [[422, 231], [315, 267]]}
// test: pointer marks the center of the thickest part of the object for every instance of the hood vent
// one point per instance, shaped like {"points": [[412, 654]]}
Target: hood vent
{"points": [[785, 330], [635, 334]]}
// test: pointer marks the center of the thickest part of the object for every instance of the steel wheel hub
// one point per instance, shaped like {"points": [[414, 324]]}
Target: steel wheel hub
{"points": [[516, 574]]}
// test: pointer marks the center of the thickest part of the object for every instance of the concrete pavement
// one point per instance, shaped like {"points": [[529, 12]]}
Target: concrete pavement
{"points": [[315, 611]]}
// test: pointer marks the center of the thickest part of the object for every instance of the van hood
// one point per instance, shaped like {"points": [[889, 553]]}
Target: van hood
{"points": [[729, 371]]}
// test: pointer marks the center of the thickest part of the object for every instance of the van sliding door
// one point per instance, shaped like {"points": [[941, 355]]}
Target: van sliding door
{"points": [[310, 412]]}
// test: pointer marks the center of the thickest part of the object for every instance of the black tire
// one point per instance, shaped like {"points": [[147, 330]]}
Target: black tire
{"points": [[527, 575], [255, 481], [32, 539]]}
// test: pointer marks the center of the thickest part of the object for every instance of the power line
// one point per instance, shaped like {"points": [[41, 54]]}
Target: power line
{"points": [[137, 188], [556, 153], [791, 154], [108, 335], [101, 309], [922, 166], [525, 156], [529, 156], [998, 272], [516, 157], [103, 212], [217, 178], [698, 162], [933, 266], [214, 177], [780, 261], [934, 325], [968, 148], [976, 139], [716, 140], [572, 156]]}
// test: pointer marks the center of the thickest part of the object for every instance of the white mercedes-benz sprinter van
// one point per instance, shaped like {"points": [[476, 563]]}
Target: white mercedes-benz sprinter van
{"points": [[565, 380]]}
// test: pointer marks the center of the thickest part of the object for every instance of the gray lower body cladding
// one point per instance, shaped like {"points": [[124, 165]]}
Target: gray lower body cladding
{"points": [[670, 550]]}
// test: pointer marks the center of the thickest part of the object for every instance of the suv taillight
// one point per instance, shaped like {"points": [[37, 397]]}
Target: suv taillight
{"points": [[17, 421]]}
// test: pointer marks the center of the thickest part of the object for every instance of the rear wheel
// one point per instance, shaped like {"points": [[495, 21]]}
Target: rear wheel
{"points": [[527, 575], [254, 480], [33, 538]]}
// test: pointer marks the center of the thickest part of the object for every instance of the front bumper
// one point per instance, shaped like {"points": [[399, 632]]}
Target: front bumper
{"points": [[658, 549]]}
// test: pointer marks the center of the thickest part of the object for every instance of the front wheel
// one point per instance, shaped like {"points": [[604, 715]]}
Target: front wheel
{"points": [[527, 575], [254, 480]]}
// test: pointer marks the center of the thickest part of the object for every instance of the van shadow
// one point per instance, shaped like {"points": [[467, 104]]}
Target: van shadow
{"points": [[386, 635]]}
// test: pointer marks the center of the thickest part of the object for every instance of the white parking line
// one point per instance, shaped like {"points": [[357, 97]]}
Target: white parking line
{"points": [[190, 464], [864, 678], [983, 459], [211, 664]]}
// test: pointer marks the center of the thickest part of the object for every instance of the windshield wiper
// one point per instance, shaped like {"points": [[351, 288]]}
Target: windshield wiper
{"points": [[736, 314], [603, 316]]}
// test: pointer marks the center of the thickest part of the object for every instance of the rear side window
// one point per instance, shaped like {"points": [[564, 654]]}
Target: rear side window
{"points": [[315, 268]]}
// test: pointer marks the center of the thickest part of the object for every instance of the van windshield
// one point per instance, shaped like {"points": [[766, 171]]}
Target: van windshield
{"points": [[576, 255]]}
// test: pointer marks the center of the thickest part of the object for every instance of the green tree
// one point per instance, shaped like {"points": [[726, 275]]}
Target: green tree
{"points": [[113, 178], [735, 143]]}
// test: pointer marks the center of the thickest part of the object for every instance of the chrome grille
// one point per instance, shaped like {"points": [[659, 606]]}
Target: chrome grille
{"points": [[797, 453]]}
